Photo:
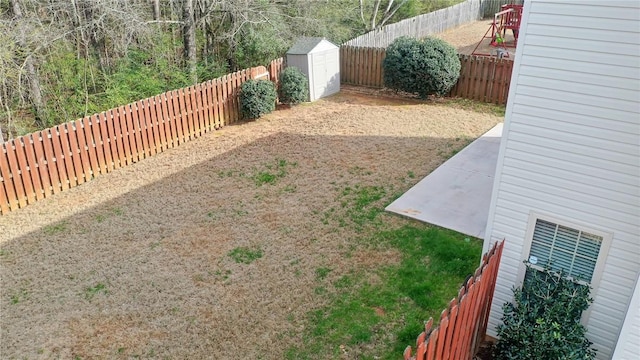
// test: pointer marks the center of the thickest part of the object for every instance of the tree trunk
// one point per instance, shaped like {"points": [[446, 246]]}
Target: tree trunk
{"points": [[189, 34], [35, 91], [156, 9]]}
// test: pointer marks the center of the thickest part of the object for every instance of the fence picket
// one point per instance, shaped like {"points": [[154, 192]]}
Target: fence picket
{"points": [[149, 126], [41, 159], [235, 103], [67, 154], [52, 166], [189, 113], [204, 110], [122, 138], [201, 99], [192, 112], [17, 174], [431, 345], [10, 192], [71, 150], [110, 138], [211, 119], [110, 152], [119, 136], [96, 129], [156, 145], [130, 131], [166, 120], [443, 326], [91, 146], [25, 170], [34, 171], [156, 110], [181, 120], [172, 103], [83, 151], [229, 99], [225, 100]]}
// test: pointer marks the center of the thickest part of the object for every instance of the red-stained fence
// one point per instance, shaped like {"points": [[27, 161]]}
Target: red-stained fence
{"points": [[463, 324], [37, 165]]}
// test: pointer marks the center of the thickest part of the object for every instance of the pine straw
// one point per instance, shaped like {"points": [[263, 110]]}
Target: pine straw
{"points": [[156, 234]]}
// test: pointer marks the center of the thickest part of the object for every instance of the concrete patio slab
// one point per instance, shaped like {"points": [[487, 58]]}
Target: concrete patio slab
{"points": [[457, 194]]}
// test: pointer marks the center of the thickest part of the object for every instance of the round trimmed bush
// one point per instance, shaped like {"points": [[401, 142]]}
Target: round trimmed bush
{"points": [[294, 86], [257, 98], [423, 67]]}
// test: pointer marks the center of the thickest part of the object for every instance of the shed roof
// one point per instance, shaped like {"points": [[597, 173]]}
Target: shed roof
{"points": [[307, 45]]}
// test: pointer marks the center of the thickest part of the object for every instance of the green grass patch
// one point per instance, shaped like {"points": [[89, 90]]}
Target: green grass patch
{"points": [[273, 172], [379, 319], [19, 296], [359, 206], [245, 255], [55, 228], [322, 272], [91, 291]]}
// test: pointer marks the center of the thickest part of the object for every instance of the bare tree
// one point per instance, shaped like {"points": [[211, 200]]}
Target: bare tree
{"points": [[35, 91], [372, 23], [156, 9], [189, 34]]}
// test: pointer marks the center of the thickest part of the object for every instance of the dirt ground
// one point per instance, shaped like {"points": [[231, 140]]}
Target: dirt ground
{"points": [[135, 262], [466, 37]]}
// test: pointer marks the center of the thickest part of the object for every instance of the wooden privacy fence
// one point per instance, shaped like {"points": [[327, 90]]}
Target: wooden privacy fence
{"points": [[37, 165], [463, 324], [482, 78]]}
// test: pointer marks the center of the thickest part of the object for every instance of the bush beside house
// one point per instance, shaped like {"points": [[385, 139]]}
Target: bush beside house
{"points": [[544, 320]]}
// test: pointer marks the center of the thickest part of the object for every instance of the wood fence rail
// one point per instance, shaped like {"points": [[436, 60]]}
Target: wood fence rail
{"points": [[36, 165], [482, 78], [463, 324]]}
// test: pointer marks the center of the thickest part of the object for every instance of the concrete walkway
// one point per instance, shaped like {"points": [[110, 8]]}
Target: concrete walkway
{"points": [[457, 194]]}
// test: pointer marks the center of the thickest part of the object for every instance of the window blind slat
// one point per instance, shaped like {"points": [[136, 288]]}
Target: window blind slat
{"points": [[564, 248]]}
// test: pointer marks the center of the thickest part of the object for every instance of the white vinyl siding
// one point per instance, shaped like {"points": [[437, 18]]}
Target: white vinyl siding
{"points": [[571, 147], [627, 347]]}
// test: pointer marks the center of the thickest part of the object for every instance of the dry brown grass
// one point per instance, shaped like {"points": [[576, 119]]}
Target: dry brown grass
{"points": [[156, 234]]}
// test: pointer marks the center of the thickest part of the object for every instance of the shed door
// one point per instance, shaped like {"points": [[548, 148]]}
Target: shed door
{"points": [[325, 74]]}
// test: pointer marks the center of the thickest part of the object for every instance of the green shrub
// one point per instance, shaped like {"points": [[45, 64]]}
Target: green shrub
{"points": [[257, 98], [294, 86], [424, 67], [544, 322]]}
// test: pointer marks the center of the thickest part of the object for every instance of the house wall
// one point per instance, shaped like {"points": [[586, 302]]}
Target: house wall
{"points": [[628, 346], [571, 148]]}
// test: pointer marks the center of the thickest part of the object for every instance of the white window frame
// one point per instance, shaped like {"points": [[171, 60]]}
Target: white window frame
{"points": [[600, 262]]}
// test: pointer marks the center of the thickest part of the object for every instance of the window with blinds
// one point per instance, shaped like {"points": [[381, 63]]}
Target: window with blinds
{"points": [[558, 247]]}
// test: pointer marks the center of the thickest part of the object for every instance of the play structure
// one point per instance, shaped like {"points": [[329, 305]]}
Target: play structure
{"points": [[508, 18]]}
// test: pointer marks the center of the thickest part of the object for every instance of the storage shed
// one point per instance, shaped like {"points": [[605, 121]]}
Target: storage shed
{"points": [[319, 61]]}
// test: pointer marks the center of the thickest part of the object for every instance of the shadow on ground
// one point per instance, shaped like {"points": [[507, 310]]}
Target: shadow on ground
{"points": [[148, 273]]}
